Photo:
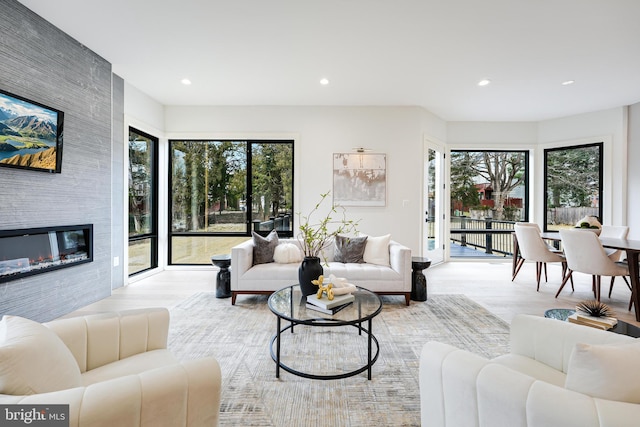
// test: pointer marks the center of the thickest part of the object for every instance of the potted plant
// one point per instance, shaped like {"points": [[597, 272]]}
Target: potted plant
{"points": [[315, 235], [590, 223]]}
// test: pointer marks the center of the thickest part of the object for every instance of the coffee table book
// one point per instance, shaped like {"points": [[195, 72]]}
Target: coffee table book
{"points": [[327, 304], [605, 323], [332, 311]]}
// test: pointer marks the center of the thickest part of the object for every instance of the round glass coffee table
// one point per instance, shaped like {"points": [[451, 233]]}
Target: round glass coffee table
{"points": [[289, 304]]}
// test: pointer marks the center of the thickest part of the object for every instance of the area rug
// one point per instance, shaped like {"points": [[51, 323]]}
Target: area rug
{"points": [[239, 336]]}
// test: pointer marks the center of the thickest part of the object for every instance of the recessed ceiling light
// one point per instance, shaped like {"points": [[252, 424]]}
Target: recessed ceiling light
{"points": [[324, 82], [185, 81], [484, 82], [568, 82]]}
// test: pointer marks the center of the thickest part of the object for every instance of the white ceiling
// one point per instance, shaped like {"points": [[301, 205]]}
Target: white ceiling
{"points": [[428, 53]]}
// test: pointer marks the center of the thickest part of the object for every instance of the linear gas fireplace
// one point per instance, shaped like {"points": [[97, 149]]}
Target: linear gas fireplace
{"points": [[31, 251]]}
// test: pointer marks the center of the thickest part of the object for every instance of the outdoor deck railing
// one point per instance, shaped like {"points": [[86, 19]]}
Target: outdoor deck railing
{"points": [[493, 236], [281, 222]]}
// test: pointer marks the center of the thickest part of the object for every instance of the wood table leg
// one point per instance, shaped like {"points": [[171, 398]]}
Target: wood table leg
{"points": [[632, 260]]}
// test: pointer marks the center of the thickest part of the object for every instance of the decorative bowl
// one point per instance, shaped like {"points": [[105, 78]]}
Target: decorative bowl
{"points": [[559, 313]]}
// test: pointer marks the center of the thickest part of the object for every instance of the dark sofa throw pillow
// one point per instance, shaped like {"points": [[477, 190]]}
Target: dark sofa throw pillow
{"points": [[264, 247], [349, 249]]}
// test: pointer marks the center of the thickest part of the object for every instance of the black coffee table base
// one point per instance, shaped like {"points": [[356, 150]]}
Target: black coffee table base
{"points": [[371, 359], [289, 305]]}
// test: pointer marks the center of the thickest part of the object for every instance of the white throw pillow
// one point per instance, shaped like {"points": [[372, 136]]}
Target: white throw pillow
{"points": [[605, 371], [287, 253], [377, 250], [33, 359]]}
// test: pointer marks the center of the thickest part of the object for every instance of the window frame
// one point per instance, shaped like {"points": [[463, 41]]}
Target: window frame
{"points": [[155, 202], [600, 146], [249, 199]]}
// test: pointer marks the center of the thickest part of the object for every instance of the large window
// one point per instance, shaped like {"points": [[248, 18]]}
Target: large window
{"points": [[143, 202], [489, 193], [572, 185], [222, 190]]}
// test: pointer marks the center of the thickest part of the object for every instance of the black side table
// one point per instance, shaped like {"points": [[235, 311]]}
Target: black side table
{"points": [[223, 280], [418, 281]]}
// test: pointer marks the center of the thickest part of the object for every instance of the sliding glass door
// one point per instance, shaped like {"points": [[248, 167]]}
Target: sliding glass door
{"points": [[222, 190]]}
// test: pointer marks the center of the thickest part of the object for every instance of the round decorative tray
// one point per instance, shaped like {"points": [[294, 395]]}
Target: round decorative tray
{"points": [[559, 313]]}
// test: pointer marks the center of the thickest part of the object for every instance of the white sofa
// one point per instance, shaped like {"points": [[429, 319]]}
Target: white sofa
{"points": [[111, 369], [542, 382], [247, 278]]}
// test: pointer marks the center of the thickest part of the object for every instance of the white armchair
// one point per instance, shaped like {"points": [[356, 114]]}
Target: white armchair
{"points": [[112, 369], [556, 374]]}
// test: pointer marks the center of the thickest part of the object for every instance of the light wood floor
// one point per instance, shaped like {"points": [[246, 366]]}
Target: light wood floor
{"points": [[487, 283]]}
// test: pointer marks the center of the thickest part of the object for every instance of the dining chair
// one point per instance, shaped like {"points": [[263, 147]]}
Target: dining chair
{"points": [[537, 227], [585, 254], [528, 224], [615, 232], [533, 248]]}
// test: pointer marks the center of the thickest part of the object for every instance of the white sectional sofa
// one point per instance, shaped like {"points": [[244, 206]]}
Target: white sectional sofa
{"points": [[247, 278], [556, 374]]}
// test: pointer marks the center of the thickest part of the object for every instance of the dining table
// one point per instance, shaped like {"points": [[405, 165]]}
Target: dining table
{"points": [[631, 248]]}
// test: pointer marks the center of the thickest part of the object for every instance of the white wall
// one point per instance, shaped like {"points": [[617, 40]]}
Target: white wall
{"points": [[633, 167], [318, 133], [478, 135], [433, 127], [141, 108]]}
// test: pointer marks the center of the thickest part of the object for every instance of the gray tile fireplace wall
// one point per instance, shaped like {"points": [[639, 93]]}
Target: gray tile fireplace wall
{"points": [[42, 63]]}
